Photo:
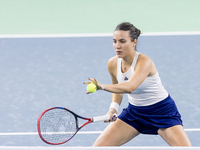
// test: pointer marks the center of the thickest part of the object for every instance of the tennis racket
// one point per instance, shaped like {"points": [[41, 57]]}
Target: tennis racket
{"points": [[58, 125]]}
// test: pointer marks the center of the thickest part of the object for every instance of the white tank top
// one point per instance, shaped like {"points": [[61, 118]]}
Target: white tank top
{"points": [[149, 92]]}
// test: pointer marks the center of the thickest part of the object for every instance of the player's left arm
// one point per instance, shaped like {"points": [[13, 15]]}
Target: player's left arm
{"points": [[144, 67]]}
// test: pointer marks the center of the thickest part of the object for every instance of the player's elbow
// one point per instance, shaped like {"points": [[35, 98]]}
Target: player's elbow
{"points": [[129, 90]]}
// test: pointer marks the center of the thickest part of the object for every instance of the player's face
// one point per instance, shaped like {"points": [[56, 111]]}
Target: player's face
{"points": [[122, 43]]}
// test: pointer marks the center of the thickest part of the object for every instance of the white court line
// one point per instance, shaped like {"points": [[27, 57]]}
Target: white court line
{"points": [[171, 33], [94, 34], [54, 35], [97, 148], [80, 132], [192, 129]]}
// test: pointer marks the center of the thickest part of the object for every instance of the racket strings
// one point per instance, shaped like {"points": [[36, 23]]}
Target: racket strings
{"points": [[57, 125]]}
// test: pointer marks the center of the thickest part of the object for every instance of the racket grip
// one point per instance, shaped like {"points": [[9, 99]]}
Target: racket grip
{"points": [[101, 118]]}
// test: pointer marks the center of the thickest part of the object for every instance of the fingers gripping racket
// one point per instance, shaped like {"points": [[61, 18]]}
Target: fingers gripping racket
{"points": [[58, 125]]}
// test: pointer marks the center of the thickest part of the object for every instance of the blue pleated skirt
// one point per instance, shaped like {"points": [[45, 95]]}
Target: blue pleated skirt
{"points": [[148, 119]]}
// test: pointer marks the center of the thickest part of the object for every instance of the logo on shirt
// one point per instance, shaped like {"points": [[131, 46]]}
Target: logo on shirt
{"points": [[125, 78]]}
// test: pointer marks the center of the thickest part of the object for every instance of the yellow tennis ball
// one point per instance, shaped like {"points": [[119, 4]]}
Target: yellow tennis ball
{"points": [[91, 88]]}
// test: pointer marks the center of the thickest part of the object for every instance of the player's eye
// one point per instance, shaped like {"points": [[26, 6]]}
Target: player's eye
{"points": [[123, 41]]}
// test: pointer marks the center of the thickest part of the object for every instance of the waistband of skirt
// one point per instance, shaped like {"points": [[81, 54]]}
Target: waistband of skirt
{"points": [[163, 102]]}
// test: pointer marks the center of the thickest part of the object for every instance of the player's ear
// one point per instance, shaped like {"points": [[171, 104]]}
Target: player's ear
{"points": [[134, 42]]}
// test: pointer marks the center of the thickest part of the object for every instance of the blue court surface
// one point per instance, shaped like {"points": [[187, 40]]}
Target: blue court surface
{"points": [[39, 73]]}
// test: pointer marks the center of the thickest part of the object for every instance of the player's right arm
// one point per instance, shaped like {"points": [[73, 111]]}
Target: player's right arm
{"points": [[112, 69]]}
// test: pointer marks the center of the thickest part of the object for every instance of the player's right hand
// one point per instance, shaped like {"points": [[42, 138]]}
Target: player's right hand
{"points": [[113, 115]]}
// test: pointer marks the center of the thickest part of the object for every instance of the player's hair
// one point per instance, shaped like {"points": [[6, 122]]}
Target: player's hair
{"points": [[126, 26]]}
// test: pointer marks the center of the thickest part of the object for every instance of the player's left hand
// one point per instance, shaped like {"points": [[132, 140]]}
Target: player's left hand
{"points": [[94, 81]]}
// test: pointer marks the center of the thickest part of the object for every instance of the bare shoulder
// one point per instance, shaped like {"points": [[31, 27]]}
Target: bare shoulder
{"points": [[112, 62], [145, 62], [144, 58], [112, 65]]}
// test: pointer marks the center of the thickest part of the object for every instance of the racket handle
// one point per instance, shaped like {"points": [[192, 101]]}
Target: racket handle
{"points": [[102, 118]]}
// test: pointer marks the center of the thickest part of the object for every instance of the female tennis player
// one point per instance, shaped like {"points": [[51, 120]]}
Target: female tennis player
{"points": [[151, 110]]}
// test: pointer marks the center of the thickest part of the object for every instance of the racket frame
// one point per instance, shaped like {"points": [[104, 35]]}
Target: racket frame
{"points": [[89, 120]]}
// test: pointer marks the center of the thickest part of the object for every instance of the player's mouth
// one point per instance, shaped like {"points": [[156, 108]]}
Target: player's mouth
{"points": [[119, 52]]}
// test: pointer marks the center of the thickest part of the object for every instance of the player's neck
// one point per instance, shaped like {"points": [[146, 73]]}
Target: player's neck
{"points": [[127, 61]]}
